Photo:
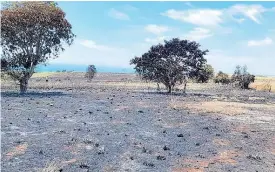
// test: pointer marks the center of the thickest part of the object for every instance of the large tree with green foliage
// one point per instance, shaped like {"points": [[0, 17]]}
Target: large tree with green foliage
{"points": [[170, 63], [31, 33]]}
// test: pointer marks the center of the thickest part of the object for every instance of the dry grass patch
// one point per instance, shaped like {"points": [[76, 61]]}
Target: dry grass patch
{"points": [[18, 150], [221, 142], [172, 124], [221, 107], [51, 167], [264, 84], [227, 157], [199, 165]]}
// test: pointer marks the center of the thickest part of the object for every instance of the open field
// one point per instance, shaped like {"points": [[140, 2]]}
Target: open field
{"points": [[118, 123]]}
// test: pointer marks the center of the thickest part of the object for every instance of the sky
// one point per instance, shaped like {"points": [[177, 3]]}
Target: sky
{"points": [[109, 34]]}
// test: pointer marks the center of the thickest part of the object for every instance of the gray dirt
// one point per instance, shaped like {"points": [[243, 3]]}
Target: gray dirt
{"points": [[132, 130]]}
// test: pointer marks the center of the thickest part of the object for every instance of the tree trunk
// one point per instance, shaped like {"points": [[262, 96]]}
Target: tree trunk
{"points": [[169, 88], [23, 85], [184, 89], [158, 88]]}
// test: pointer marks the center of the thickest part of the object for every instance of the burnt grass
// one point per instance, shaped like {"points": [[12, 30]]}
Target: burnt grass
{"points": [[105, 128]]}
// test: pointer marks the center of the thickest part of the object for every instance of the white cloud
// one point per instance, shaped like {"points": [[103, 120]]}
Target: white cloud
{"points": [[214, 17], [189, 4], [203, 17], [156, 29], [198, 34], [91, 44], [159, 39], [88, 52], [118, 15], [266, 41], [130, 8], [253, 12], [240, 20]]}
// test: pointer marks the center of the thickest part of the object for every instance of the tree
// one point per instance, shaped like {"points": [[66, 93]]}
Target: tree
{"points": [[31, 33], [90, 73], [222, 78], [203, 75], [170, 63], [241, 77]]}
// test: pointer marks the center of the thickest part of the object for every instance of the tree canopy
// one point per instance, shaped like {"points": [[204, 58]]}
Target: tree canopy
{"points": [[170, 63], [31, 33]]}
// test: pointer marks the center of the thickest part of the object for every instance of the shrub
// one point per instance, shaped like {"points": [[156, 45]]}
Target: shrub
{"points": [[91, 71], [242, 78], [203, 75], [222, 78]]}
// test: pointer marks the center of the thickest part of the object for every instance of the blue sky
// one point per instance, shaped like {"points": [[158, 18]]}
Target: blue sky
{"points": [[109, 34]]}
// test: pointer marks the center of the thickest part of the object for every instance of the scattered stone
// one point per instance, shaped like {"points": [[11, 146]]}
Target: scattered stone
{"points": [[159, 157], [256, 158], [84, 166], [87, 142], [41, 152], [132, 158], [206, 128], [164, 131], [140, 111], [180, 135], [144, 150], [90, 112], [149, 164], [197, 144], [166, 148]]}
